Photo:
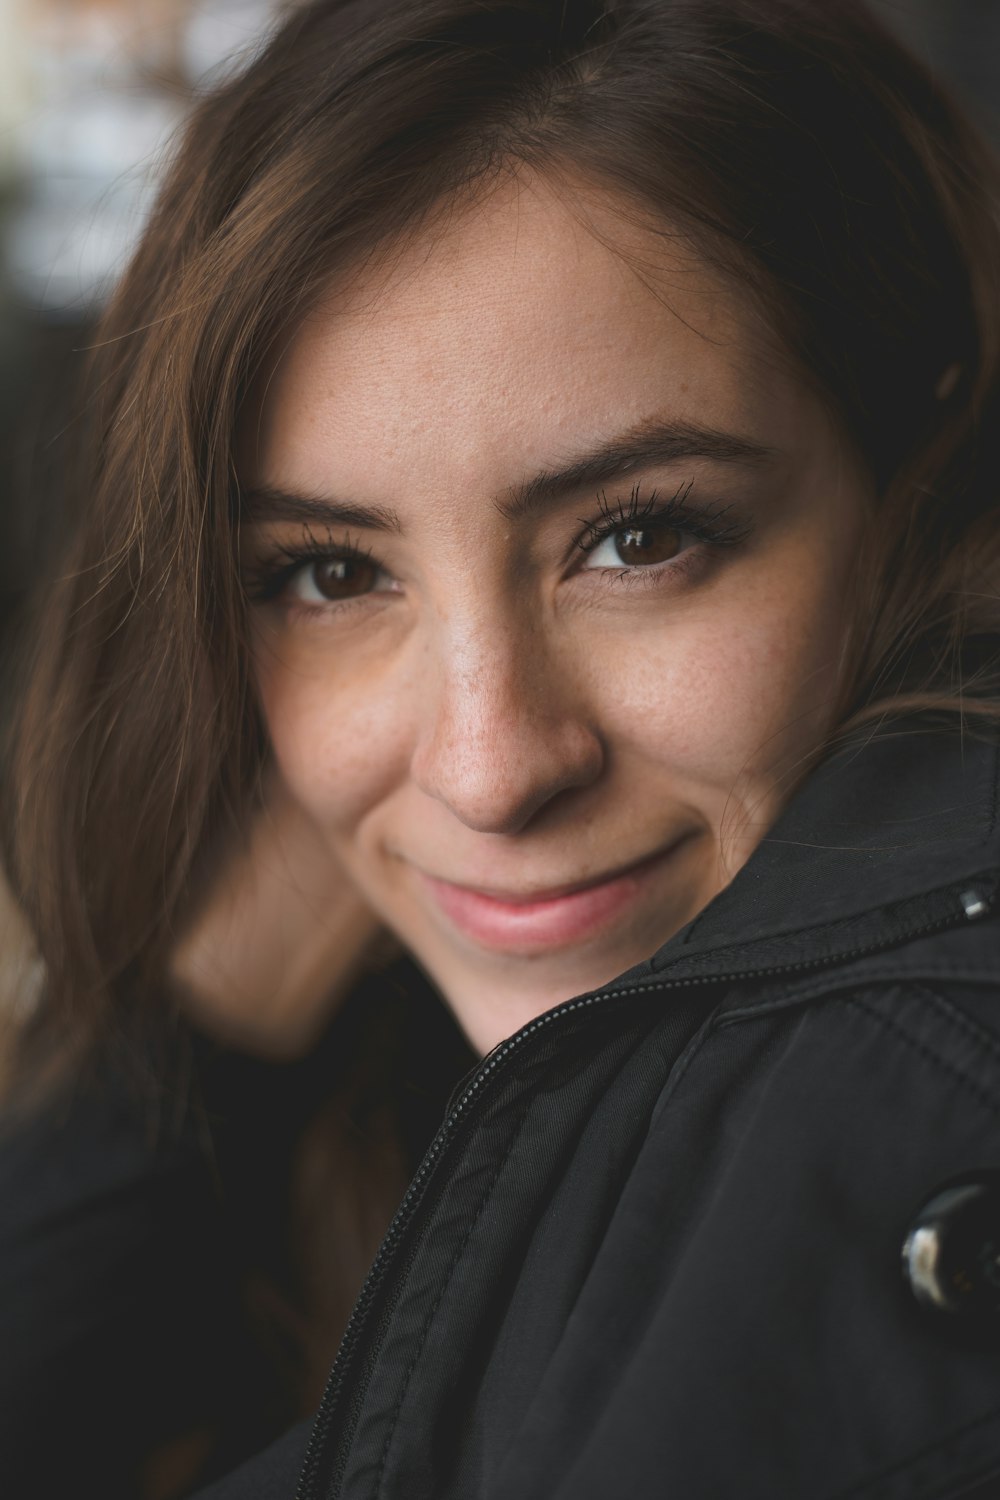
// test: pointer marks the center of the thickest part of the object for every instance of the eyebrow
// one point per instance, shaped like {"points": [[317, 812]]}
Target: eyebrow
{"points": [[649, 445], [268, 503]]}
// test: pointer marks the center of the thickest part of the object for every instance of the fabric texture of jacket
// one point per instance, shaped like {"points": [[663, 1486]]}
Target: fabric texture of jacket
{"points": [[655, 1247]]}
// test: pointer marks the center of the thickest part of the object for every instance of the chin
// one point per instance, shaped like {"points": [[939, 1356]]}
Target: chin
{"points": [[502, 1008]]}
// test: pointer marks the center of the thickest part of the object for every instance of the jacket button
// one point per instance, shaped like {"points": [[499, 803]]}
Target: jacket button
{"points": [[951, 1255]]}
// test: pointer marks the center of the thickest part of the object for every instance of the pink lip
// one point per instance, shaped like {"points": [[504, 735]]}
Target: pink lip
{"points": [[552, 919]]}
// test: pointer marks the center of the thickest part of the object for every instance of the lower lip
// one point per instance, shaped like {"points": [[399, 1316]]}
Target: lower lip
{"points": [[534, 926]]}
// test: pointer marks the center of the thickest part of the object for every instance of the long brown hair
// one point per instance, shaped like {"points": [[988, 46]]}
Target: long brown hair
{"points": [[802, 150]]}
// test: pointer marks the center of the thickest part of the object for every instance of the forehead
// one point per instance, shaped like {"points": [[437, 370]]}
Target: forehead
{"points": [[514, 326]]}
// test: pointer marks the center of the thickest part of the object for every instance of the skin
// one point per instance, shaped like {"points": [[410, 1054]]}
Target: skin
{"points": [[267, 955], [491, 704]]}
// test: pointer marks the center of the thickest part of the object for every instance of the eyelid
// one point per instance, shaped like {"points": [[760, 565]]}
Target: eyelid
{"points": [[715, 523], [268, 576]]}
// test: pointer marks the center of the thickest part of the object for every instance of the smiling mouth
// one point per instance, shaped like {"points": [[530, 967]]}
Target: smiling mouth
{"points": [[558, 917]]}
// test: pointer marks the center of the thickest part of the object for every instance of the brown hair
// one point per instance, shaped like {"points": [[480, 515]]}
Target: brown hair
{"points": [[802, 150]]}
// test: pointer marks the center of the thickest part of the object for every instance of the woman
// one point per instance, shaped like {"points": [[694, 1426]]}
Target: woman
{"points": [[557, 443]]}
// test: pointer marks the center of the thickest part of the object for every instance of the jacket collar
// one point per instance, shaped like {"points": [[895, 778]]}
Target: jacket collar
{"points": [[891, 836]]}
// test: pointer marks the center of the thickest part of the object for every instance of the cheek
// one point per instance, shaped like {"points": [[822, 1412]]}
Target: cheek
{"points": [[337, 728], [737, 691]]}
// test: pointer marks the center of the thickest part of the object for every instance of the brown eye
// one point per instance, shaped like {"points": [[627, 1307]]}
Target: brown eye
{"points": [[331, 578], [642, 546]]}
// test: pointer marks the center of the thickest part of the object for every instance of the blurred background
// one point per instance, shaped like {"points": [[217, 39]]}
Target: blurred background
{"points": [[91, 93]]}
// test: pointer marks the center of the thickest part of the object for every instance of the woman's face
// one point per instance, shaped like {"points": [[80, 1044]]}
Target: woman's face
{"points": [[548, 562]]}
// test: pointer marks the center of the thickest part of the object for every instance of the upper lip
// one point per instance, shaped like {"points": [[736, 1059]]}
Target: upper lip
{"points": [[554, 892]]}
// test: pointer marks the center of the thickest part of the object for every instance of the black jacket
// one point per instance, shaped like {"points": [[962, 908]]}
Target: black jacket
{"points": [[656, 1247]]}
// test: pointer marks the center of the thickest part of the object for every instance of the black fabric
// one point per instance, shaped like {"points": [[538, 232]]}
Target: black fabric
{"points": [[655, 1248], [118, 1324], [133, 1242], [266, 1474]]}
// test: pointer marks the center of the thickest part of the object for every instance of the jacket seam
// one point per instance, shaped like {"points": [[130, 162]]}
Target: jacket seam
{"points": [[929, 970], [682, 1067], [885, 1476], [958, 1019], [432, 1312], [750, 945], [975, 1088], [890, 966], [827, 986], [745, 948]]}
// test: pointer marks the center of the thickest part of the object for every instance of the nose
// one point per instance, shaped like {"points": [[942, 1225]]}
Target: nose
{"points": [[503, 732]]}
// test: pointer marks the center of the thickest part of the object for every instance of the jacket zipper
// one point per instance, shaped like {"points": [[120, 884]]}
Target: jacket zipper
{"points": [[966, 903]]}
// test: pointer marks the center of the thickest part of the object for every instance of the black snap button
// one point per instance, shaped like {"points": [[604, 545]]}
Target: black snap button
{"points": [[951, 1255]]}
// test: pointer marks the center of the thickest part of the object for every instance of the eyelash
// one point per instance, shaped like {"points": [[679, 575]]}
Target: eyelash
{"points": [[707, 524], [712, 525], [266, 578]]}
